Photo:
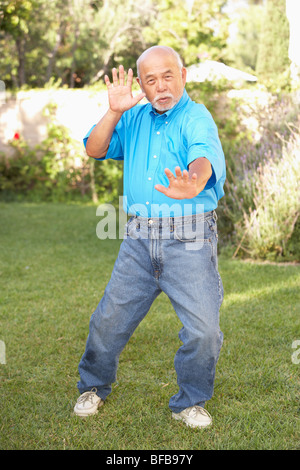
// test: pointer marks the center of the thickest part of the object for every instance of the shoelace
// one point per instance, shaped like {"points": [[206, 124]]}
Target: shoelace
{"points": [[198, 409], [87, 396]]}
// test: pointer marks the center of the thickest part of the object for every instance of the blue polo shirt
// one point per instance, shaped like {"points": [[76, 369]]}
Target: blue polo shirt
{"points": [[149, 142]]}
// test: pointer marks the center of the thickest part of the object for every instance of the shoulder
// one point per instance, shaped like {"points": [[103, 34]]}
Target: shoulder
{"points": [[197, 122], [197, 112]]}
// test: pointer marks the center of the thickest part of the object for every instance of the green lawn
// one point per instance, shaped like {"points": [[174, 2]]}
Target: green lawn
{"points": [[53, 271]]}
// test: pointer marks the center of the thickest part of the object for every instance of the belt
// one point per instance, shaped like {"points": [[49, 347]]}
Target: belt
{"points": [[161, 222]]}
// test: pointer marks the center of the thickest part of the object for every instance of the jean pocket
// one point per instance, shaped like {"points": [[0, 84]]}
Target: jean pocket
{"points": [[193, 240], [188, 234], [195, 236]]}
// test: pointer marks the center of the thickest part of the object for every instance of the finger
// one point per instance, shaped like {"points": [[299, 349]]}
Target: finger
{"points": [[139, 97], [178, 173], [185, 176], [169, 174], [121, 75], [129, 77], [194, 178], [115, 76], [107, 82], [161, 188]]}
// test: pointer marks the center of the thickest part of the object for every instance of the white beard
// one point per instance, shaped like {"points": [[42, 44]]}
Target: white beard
{"points": [[164, 107]]}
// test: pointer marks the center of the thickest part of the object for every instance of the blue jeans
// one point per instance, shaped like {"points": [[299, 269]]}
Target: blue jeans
{"points": [[177, 256]]}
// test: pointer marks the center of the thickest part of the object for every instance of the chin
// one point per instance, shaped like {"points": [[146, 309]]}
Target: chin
{"points": [[164, 108]]}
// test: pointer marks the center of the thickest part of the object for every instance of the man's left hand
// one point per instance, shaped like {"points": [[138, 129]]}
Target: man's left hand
{"points": [[187, 184], [181, 185]]}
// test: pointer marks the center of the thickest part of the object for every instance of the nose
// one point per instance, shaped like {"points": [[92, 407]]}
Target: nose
{"points": [[160, 85]]}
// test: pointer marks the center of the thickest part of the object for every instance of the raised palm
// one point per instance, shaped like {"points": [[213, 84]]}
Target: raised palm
{"points": [[181, 185], [120, 93]]}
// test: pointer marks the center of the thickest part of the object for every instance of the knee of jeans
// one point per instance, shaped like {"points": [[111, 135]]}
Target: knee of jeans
{"points": [[208, 334]]}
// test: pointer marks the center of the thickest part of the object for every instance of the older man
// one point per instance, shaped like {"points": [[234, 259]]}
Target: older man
{"points": [[174, 171]]}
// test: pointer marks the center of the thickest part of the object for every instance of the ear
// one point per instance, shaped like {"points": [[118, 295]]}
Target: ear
{"points": [[140, 83], [183, 75]]}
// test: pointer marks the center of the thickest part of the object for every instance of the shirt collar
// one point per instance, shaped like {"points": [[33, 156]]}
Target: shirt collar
{"points": [[183, 101]]}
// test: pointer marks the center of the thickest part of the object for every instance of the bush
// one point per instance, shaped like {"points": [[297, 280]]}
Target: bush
{"points": [[57, 170], [38, 174], [271, 120], [270, 225], [271, 194]]}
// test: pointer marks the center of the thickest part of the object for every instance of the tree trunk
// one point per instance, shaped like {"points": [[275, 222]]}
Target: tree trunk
{"points": [[20, 43], [52, 54], [74, 47]]}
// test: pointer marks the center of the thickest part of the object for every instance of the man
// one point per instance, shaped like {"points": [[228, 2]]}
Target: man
{"points": [[171, 238]]}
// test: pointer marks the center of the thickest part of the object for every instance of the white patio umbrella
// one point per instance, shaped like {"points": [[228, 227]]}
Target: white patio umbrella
{"points": [[212, 70]]}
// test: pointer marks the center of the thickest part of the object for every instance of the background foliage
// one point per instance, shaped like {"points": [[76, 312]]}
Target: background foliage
{"points": [[77, 41], [74, 43]]}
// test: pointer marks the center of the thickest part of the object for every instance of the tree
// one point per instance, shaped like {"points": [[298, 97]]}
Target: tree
{"points": [[14, 16], [75, 42], [121, 23], [196, 29], [27, 28], [273, 57], [242, 49]]}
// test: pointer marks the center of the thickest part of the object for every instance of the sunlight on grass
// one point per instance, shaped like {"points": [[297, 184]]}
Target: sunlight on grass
{"points": [[281, 286], [53, 272]]}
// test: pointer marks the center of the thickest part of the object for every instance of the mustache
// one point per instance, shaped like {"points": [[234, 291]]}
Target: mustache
{"points": [[159, 97]]}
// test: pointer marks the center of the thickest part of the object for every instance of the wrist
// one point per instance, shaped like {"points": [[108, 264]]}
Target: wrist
{"points": [[114, 115]]}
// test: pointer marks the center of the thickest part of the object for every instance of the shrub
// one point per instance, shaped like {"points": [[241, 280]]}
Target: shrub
{"points": [[269, 223], [248, 159], [57, 170]]}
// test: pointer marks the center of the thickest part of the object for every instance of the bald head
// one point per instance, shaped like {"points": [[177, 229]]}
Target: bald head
{"points": [[159, 51], [161, 77]]}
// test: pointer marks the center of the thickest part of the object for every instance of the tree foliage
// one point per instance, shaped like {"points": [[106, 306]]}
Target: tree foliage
{"points": [[75, 42], [197, 29], [273, 57], [242, 49]]}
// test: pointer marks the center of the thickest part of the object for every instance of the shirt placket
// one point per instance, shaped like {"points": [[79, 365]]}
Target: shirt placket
{"points": [[155, 154]]}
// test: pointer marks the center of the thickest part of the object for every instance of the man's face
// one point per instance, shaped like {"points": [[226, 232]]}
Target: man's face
{"points": [[162, 80]]}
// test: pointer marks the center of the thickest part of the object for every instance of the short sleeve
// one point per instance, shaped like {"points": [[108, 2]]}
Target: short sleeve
{"points": [[115, 149], [202, 140]]}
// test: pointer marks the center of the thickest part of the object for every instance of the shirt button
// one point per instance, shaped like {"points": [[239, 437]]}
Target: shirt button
{"points": [[157, 132], [150, 222], [147, 202], [167, 122], [154, 156], [149, 178]]}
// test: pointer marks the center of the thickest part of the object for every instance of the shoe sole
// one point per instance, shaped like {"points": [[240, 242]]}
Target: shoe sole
{"points": [[83, 414]]}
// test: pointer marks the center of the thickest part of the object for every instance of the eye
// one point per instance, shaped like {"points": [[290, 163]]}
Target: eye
{"points": [[150, 82]]}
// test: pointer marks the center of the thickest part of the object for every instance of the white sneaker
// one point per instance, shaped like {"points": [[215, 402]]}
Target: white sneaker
{"points": [[88, 403], [194, 416]]}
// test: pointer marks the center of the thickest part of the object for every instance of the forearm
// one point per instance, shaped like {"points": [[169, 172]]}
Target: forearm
{"points": [[99, 139], [202, 168]]}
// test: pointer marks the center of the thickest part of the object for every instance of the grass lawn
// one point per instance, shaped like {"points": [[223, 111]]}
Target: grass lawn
{"points": [[53, 271]]}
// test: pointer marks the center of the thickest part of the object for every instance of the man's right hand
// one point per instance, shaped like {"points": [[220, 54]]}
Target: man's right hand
{"points": [[120, 100], [120, 94]]}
